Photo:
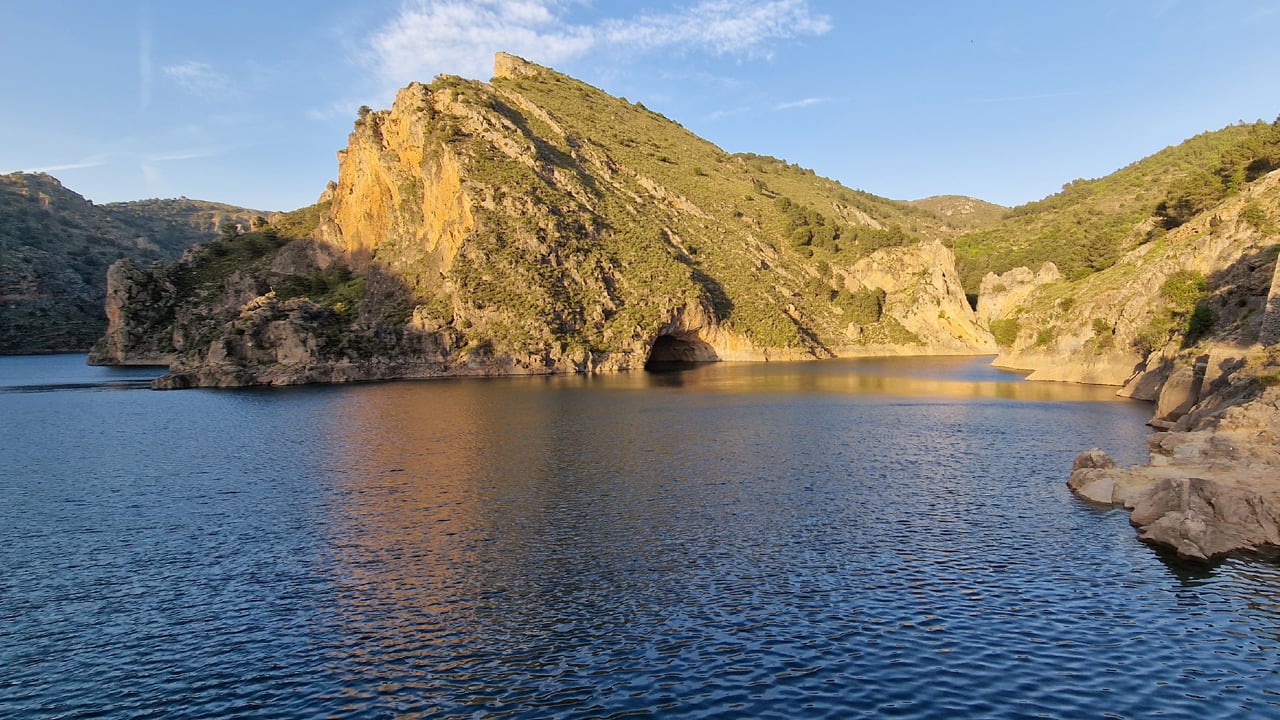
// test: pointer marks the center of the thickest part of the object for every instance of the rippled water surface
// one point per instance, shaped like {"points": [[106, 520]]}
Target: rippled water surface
{"points": [[841, 539]]}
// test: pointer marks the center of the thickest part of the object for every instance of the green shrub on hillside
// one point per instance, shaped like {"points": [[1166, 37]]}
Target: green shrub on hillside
{"points": [[1199, 323], [1104, 335], [864, 307], [1183, 289], [1187, 314], [1005, 331], [1255, 215]]}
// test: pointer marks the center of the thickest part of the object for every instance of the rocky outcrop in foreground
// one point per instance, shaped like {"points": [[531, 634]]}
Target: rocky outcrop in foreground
{"points": [[1212, 486]]}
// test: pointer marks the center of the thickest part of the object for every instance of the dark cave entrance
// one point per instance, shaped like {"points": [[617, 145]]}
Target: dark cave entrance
{"points": [[671, 352]]}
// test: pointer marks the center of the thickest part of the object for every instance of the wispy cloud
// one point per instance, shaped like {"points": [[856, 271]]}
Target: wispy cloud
{"points": [[200, 79], [338, 109], [89, 162], [720, 26], [722, 114], [429, 37], [53, 169], [154, 178], [434, 36], [181, 155], [806, 102]]}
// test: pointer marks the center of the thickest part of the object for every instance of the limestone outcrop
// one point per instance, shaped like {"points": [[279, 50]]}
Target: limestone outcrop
{"points": [[1000, 295], [1201, 519], [1212, 484], [140, 307], [924, 297], [1129, 324]]}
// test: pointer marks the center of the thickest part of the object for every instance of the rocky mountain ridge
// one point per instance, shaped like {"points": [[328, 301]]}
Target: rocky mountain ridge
{"points": [[535, 224]]}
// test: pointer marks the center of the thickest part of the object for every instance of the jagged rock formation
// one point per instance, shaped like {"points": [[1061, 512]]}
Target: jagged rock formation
{"points": [[139, 310], [1212, 485], [1000, 295], [924, 296], [535, 224]]}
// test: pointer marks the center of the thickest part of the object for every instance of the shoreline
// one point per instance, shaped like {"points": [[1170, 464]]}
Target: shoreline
{"points": [[1211, 486]]}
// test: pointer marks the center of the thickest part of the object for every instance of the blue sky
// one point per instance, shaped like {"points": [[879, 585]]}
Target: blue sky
{"points": [[247, 101]]}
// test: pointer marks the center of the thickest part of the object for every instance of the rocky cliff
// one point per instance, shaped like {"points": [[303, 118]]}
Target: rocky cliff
{"points": [[1128, 325], [535, 224], [1189, 323]]}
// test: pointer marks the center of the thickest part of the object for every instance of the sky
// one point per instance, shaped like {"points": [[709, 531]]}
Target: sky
{"points": [[248, 101]]}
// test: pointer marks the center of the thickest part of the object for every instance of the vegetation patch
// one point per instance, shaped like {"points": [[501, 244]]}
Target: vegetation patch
{"points": [[1254, 215], [1090, 224], [1104, 335], [1005, 331], [864, 307]]}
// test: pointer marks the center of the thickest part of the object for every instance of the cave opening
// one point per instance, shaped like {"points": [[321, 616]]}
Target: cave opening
{"points": [[672, 352]]}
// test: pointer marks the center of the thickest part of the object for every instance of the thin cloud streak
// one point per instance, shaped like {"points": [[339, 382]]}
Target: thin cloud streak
{"points": [[181, 155], [721, 114], [1024, 98], [89, 162], [338, 109], [201, 80], [806, 102], [433, 36], [145, 71]]}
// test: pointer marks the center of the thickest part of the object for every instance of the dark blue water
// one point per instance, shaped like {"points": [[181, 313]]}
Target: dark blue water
{"points": [[837, 539]]}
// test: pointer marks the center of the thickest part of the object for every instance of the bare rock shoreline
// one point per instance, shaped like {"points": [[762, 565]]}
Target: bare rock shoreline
{"points": [[1212, 484]]}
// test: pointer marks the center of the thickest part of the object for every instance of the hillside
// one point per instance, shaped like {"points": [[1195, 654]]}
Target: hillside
{"points": [[1202, 283], [536, 224], [963, 213], [1168, 285], [1122, 274], [56, 246], [1092, 223], [171, 223]]}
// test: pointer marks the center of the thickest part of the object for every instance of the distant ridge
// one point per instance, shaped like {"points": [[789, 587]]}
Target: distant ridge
{"points": [[55, 247]]}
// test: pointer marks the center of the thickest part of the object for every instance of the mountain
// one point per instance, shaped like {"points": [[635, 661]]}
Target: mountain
{"points": [[963, 213], [1124, 274], [1091, 224], [56, 246], [535, 224]]}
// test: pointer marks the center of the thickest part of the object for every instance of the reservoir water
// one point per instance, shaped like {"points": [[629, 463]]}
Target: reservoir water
{"points": [[843, 539]]}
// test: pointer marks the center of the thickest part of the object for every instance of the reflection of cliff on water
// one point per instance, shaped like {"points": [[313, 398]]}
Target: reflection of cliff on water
{"points": [[916, 377], [468, 510], [472, 516]]}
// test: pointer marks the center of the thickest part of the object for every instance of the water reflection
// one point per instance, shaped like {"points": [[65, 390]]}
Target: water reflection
{"points": [[747, 543], [586, 546], [945, 378]]}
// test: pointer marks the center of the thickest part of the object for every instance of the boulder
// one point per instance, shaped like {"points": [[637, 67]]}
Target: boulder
{"points": [[1202, 519], [1095, 477], [1179, 394]]}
